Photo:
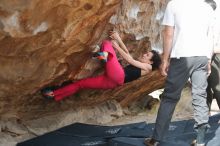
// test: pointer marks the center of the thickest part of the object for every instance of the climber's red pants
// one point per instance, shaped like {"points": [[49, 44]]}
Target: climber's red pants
{"points": [[113, 76]]}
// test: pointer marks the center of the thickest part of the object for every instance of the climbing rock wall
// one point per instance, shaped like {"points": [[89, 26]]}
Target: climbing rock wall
{"points": [[47, 42]]}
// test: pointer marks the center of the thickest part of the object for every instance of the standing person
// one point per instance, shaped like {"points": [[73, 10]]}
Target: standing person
{"points": [[186, 54], [213, 89], [115, 75]]}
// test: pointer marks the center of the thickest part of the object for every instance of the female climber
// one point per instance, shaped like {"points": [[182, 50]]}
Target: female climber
{"points": [[114, 75]]}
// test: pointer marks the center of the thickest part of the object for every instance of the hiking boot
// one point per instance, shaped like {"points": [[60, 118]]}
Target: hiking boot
{"points": [[151, 142], [194, 143]]}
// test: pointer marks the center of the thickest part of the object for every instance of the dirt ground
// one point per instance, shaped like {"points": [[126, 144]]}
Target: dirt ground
{"points": [[139, 113]]}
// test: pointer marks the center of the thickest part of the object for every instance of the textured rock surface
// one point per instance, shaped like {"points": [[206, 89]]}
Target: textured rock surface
{"points": [[47, 42]]}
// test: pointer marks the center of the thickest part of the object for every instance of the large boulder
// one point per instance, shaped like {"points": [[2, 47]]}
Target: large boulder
{"points": [[44, 43]]}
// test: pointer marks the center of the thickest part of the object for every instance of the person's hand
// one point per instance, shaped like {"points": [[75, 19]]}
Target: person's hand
{"points": [[164, 68], [114, 35]]}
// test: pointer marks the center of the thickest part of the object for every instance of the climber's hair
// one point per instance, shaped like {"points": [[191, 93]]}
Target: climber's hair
{"points": [[156, 59], [212, 3]]}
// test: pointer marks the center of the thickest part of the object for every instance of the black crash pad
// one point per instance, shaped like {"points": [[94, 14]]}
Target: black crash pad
{"points": [[180, 133]]}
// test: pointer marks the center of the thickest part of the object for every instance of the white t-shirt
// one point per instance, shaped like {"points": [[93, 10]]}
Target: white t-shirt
{"points": [[192, 20], [217, 27]]}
